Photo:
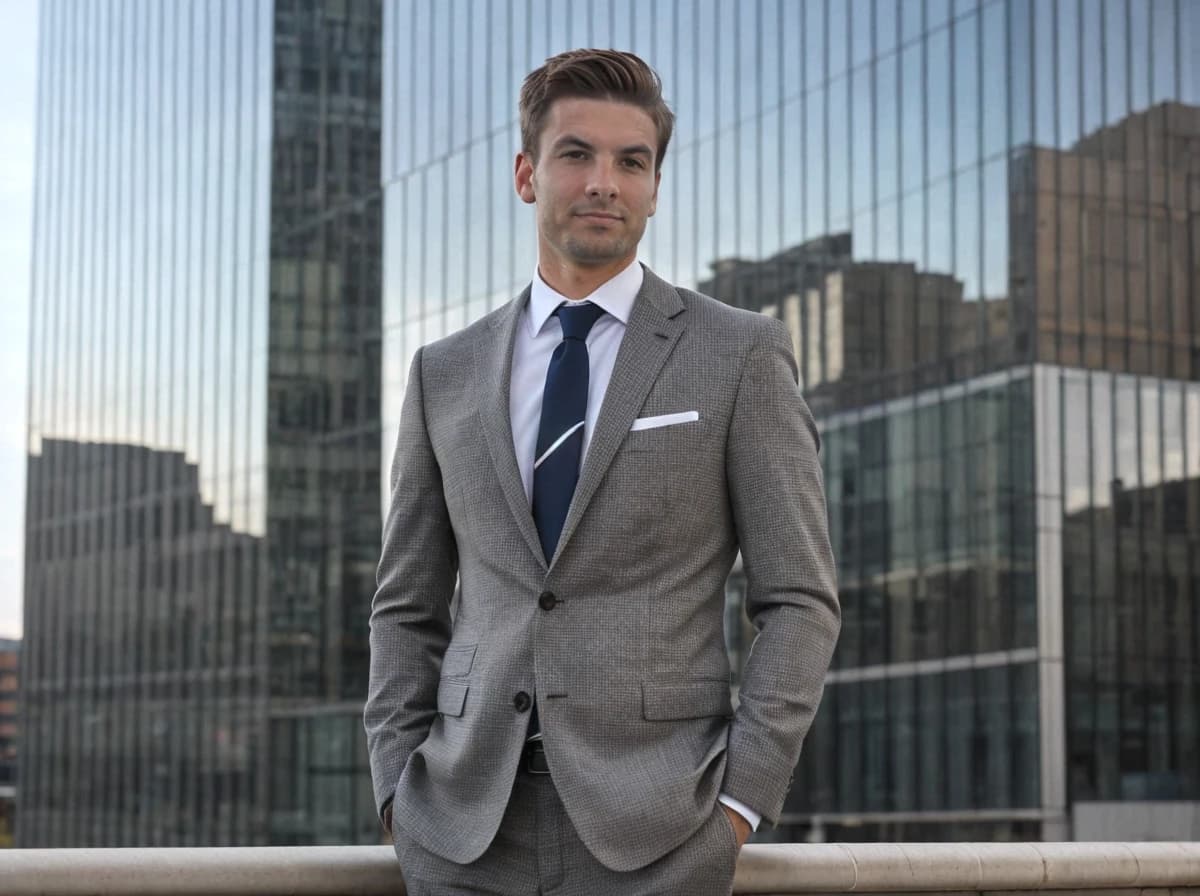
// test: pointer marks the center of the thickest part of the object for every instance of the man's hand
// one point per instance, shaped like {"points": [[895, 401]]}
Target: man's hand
{"points": [[741, 827]]}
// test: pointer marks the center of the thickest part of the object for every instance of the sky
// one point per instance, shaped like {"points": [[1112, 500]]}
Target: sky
{"points": [[18, 74]]}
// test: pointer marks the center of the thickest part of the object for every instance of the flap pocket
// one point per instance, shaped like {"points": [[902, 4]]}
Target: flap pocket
{"points": [[457, 660], [663, 700], [452, 696]]}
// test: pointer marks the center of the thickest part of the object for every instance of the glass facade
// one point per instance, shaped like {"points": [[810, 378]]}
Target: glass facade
{"points": [[980, 220], [953, 204], [323, 412], [932, 708], [1131, 583], [202, 511]]}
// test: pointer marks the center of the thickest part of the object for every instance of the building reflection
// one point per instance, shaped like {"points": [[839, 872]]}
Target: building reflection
{"points": [[146, 706], [204, 445], [1133, 686], [866, 331], [977, 220], [944, 420], [1101, 269]]}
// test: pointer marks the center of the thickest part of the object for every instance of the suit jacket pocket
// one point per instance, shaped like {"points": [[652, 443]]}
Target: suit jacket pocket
{"points": [[452, 696], [695, 699], [675, 438], [457, 660]]}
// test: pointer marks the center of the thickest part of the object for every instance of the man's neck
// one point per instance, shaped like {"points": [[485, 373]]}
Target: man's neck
{"points": [[577, 282]]}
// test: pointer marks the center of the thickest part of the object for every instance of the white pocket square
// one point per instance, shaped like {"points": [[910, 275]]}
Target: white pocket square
{"points": [[664, 420]]}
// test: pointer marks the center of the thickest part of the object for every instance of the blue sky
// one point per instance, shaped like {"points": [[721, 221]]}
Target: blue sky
{"points": [[18, 74]]}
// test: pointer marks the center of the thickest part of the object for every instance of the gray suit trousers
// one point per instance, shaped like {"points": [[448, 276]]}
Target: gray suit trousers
{"points": [[538, 851]]}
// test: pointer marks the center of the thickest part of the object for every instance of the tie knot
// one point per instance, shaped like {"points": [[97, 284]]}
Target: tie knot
{"points": [[577, 320]]}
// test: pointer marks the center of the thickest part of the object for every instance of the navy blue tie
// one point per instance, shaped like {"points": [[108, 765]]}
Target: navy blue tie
{"points": [[560, 433]]}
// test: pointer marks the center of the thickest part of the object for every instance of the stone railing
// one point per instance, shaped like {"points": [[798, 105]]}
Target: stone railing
{"points": [[1112, 869]]}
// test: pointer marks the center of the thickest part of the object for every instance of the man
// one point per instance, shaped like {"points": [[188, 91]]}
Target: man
{"points": [[588, 460]]}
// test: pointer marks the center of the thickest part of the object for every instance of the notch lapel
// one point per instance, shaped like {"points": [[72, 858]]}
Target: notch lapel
{"points": [[655, 325], [493, 373]]}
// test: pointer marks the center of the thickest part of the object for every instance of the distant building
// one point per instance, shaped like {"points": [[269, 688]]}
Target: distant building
{"points": [[10, 653]]}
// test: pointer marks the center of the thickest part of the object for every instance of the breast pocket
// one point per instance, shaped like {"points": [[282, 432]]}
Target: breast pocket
{"points": [[670, 440], [655, 469]]}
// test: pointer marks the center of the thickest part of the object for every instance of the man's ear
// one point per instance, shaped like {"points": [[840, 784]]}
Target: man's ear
{"points": [[523, 178]]}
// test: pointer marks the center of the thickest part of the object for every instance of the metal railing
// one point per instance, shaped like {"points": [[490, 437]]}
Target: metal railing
{"points": [[1162, 869]]}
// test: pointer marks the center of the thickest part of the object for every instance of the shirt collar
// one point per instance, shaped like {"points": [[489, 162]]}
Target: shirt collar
{"points": [[616, 296]]}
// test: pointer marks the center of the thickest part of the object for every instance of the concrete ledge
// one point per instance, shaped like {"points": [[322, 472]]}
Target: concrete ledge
{"points": [[966, 867], [1099, 869], [223, 871]]}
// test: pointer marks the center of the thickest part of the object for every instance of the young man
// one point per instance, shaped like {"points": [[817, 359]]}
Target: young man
{"points": [[588, 460]]}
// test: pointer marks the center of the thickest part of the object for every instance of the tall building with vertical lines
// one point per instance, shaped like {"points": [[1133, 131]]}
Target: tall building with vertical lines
{"points": [[202, 508], [979, 218]]}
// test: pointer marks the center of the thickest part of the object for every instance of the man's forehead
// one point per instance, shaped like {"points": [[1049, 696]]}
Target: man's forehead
{"points": [[598, 117]]}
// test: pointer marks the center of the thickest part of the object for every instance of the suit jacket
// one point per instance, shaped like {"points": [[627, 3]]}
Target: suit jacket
{"points": [[628, 661]]}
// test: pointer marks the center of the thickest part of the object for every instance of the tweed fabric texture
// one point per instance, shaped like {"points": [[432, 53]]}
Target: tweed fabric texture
{"points": [[538, 851], [628, 665]]}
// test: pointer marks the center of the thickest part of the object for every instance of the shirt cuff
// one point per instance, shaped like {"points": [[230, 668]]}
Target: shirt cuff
{"points": [[741, 809]]}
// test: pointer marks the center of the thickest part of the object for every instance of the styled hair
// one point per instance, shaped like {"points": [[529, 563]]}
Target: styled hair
{"points": [[598, 75]]}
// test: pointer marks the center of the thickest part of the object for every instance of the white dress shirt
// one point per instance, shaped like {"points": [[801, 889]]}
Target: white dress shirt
{"points": [[537, 337], [539, 334]]}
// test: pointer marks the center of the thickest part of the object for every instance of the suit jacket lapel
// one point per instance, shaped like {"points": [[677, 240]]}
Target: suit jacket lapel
{"points": [[655, 325], [493, 373]]}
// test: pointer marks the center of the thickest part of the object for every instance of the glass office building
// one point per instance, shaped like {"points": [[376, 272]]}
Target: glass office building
{"points": [[979, 219], [204, 405], [10, 655]]}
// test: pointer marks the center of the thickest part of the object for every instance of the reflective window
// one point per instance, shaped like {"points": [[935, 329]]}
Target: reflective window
{"points": [[935, 196], [202, 277]]}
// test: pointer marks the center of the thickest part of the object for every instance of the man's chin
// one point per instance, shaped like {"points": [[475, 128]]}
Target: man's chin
{"points": [[591, 254]]}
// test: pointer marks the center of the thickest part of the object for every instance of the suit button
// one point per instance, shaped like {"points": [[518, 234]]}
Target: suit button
{"points": [[547, 601], [522, 702]]}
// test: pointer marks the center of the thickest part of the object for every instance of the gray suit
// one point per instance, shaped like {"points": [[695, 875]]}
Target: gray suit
{"points": [[628, 660]]}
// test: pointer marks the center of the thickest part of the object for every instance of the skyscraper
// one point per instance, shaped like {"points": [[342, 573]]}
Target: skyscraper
{"points": [[978, 217], [202, 510]]}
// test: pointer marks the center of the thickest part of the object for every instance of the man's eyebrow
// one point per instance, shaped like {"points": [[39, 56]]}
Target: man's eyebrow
{"points": [[638, 149], [570, 140]]}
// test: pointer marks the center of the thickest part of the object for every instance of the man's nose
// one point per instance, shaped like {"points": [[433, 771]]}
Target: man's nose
{"points": [[603, 182]]}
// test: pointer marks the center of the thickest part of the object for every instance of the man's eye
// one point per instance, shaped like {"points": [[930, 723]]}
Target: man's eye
{"points": [[634, 163]]}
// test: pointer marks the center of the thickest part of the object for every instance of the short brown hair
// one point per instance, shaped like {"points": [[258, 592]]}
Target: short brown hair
{"points": [[593, 74]]}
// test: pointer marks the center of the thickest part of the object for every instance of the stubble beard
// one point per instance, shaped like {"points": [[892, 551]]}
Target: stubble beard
{"points": [[596, 251], [598, 248]]}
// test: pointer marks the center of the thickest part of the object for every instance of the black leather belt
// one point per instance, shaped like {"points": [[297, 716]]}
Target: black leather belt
{"points": [[533, 758]]}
